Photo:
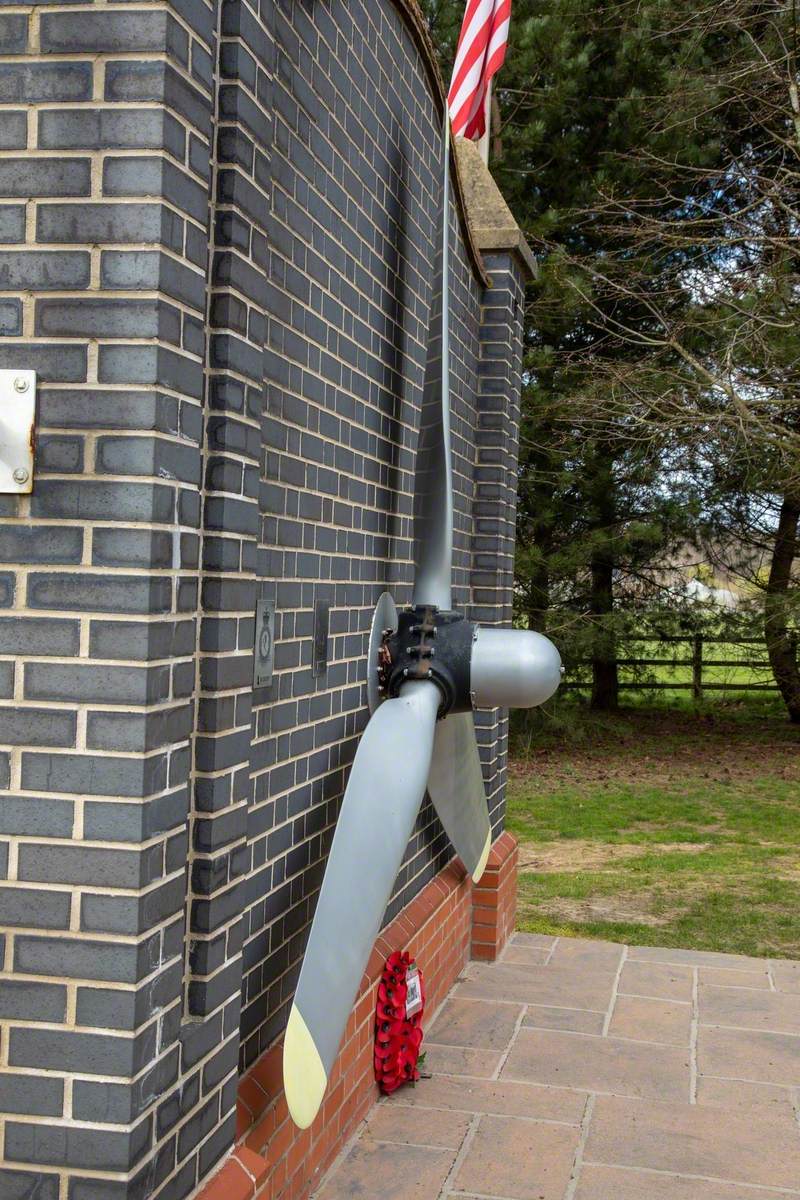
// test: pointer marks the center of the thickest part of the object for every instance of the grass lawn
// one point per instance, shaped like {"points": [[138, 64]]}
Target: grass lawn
{"points": [[662, 827]]}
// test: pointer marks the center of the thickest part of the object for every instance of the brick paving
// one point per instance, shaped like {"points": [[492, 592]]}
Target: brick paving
{"points": [[580, 1070]]}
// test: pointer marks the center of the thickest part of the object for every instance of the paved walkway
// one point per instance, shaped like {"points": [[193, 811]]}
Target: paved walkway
{"points": [[576, 1070]]}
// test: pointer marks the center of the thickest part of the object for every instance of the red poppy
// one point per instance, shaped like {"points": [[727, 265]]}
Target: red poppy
{"points": [[398, 1037]]}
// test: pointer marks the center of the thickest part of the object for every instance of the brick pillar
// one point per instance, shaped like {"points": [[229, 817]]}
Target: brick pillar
{"points": [[509, 264], [494, 900], [108, 1093]]}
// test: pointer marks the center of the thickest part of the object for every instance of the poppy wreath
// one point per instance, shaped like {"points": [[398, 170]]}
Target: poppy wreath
{"points": [[398, 1037]]}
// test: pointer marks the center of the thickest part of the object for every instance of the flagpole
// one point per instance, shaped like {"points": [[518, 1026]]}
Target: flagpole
{"points": [[445, 350], [446, 272], [483, 144]]}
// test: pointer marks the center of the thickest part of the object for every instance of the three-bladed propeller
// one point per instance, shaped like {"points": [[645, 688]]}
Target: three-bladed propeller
{"points": [[434, 668]]}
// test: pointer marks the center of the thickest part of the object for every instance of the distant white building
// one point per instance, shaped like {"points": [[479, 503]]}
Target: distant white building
{"points": [[716, 597]]}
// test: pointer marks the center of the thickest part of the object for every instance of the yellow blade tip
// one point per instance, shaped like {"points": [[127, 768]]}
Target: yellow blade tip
{"points": [[484, 858], [304, 1077]]}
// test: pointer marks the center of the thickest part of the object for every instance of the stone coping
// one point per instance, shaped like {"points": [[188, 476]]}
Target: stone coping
{"points": [[493, 224], [486, 220]]}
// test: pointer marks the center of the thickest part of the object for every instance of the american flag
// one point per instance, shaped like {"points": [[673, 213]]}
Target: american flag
{"points": [[481, 50]]}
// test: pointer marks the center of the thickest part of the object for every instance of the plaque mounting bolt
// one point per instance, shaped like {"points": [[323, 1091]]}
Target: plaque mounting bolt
{"points": [[21, 385], [20, 475]]}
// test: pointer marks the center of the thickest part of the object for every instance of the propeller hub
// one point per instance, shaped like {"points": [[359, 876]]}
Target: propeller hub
{"points": [[473, 666], [435, 646]]}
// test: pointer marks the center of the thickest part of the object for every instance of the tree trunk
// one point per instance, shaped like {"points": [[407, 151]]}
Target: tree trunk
{"points": [[539, 602], [538, 584], [602, 511], [781, 643], [605, 676]]}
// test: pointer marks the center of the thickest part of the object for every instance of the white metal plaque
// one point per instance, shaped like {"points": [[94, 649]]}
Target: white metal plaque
{"points": [[17, 427]]}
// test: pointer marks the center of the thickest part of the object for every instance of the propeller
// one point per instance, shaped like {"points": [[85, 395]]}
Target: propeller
{"points": [[428, 668]]}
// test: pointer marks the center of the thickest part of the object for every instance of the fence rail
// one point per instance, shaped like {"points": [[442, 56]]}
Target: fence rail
{"points": [[695, 666]]}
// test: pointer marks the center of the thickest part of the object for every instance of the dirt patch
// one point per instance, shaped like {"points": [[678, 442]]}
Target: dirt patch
{"points": [[623, 910], [789, 871], [628, 907], [666, 748], [578, 855]]}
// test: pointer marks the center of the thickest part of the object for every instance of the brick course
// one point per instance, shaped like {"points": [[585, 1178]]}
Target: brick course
{"points": [[219, 226]]}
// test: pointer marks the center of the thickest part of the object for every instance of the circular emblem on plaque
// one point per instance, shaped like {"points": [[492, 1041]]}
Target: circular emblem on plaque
{"points": [[265, 645]]}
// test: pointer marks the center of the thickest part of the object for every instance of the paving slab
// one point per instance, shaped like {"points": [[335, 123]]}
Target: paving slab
{"points": [[749, 1054], [766, 1098], [580, 952], [613, 1183], [662, 981], [460, 1060], [786, 976], [644, 1019], [373, 1169], [596, 1064], [687, 1139], [521, 1160], [417, 1126], [533, 939], [729, 977], [575, 1020], [563, 985], [479, 1023], [526, 955], [749, 1008], [695, 958], [502, 1099]]}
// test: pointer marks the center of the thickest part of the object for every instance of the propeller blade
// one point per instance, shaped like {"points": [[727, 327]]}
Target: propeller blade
{"points": [[380, 806], [455, 785], [433, 479]]}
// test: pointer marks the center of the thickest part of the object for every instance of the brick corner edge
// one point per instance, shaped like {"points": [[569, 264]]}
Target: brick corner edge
{"points": [[494, 900]]}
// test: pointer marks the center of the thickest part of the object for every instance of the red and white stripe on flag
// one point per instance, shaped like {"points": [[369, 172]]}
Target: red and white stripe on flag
{"points": [[481, 50]]}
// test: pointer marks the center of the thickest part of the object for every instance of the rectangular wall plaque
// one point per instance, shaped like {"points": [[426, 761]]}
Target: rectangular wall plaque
{"points": [[264, 656], [17, 414], [319, 657]]}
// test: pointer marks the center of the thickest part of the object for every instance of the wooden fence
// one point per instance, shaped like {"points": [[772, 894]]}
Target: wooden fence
{"points": [[701, 657]]}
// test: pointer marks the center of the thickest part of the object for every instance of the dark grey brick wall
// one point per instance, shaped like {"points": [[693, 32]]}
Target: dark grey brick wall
{"points": [[356, 189], [103, 282], [219, 226]]}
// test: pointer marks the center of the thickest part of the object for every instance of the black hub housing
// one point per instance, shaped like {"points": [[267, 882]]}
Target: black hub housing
{"points": [[431, 645]]}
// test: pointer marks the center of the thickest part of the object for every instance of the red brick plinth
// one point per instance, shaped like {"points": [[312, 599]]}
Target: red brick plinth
{"points": [[273, 1160], [495, 900]]}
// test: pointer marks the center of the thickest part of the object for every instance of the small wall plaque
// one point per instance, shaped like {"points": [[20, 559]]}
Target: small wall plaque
{"points": [[17, 414], [319, 658], [264, 656]]}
